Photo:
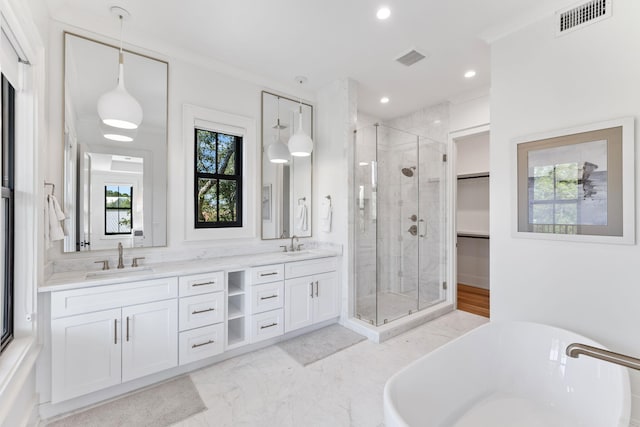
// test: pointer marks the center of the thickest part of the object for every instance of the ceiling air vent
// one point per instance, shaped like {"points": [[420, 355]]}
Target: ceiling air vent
{"points": [[410, 58], [584, 14]]}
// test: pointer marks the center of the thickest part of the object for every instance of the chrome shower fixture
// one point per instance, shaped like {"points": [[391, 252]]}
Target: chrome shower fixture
{"points": [[408, 172]]}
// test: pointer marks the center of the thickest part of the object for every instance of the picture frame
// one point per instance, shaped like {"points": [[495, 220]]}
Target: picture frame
{"points": [[266, 202], [576, 184]]}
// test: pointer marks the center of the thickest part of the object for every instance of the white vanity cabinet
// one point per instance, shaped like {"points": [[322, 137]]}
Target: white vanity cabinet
{"points": [[202, 315], [105, 335], [312, 292], [267, 301]]}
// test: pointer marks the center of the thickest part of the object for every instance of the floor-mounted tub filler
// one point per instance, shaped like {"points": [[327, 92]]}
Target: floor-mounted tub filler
{"points": [[509, 374]]}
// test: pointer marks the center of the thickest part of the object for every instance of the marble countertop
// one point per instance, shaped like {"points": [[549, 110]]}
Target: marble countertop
{"points": [[83, 279]]}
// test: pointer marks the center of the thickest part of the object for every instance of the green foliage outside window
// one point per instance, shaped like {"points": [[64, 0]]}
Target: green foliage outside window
{"points": [[218, 179]]}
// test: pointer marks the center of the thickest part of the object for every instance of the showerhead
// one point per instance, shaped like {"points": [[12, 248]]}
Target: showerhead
{"points": [[408, 172]]}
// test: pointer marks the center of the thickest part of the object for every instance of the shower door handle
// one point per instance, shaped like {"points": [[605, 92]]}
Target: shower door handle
{"points": [[413, 230], [422, 226]]}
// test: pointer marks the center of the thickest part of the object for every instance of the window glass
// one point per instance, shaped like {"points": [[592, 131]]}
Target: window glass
{"points": [[218, 179]]}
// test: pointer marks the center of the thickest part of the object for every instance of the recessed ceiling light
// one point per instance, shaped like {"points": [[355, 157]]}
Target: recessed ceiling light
{"points": [[383, 13], [384, 100], [469, 74]]}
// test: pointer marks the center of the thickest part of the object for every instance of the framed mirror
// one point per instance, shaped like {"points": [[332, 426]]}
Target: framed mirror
{"points": [[115, 179], [286, 197]]}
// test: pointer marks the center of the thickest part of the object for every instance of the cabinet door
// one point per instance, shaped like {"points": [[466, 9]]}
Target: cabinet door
{"points": [[326, 297], [298, 299], [150, 338], [85, 353]]}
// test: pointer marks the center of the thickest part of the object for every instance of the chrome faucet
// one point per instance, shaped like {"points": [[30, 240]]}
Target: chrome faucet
{"points": [[120, 263], [293, 248]]}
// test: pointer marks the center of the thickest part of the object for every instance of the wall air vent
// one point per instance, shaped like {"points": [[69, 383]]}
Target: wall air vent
{"points": [[410, 58], [579, 16]]}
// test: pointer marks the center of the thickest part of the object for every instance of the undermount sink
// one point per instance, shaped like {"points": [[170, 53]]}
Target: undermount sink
{"points": [[119, 272]]}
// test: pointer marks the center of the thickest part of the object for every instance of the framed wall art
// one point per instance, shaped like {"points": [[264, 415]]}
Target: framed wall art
{"points": [[577, 184]]}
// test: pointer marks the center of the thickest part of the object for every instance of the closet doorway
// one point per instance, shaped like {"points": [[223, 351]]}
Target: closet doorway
{"points": [[471, 149]]}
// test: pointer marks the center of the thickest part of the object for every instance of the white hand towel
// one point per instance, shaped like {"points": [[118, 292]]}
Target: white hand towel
{"points": [[301, 218], [55, 215], [325, 215]]}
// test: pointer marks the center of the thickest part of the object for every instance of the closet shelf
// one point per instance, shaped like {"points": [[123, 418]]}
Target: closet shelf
{"points": [[473, 235], [474, 175]]}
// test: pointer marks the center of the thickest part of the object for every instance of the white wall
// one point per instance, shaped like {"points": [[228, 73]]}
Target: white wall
{"points": [[336, 118], [469, 110], [541, 83]]}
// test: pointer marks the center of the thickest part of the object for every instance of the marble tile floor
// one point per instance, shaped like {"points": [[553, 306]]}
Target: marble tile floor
{"points": [[268, 388]]}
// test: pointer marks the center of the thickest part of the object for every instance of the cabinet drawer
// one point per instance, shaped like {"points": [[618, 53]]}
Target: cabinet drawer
{"points": [[267, 325], [196, 284], [310, 267], [86, 300], [268, 296], [267, 274], [201, 343], [201, 310]]}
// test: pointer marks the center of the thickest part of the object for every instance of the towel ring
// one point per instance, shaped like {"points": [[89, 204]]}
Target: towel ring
{"points": [[302, 199]]}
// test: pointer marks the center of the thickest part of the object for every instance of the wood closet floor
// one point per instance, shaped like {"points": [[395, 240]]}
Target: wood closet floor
{"points": [[473, 300]]}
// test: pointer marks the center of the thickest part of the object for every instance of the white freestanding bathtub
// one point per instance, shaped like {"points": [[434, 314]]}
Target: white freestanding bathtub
{"points": [[509, 374]]}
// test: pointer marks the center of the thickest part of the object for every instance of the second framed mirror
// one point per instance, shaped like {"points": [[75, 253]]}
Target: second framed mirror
{"points": [[286, 195]]}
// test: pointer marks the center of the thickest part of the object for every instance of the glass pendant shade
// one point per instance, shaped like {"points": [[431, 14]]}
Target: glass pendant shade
{"points": [[277, 152], [118, 108], [300, 144]]}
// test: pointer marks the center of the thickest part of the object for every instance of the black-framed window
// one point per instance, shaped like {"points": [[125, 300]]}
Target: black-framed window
{"points": [[218, 179], [8, 230], [118, 209]]}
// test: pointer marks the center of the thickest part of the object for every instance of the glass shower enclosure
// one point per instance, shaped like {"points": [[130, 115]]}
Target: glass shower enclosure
{"points": [[400, 223]]}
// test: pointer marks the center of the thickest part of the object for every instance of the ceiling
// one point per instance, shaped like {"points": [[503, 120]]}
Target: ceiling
{"points": [[330, 39]]}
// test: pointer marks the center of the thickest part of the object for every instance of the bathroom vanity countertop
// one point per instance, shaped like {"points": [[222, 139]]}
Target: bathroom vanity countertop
{"points": [[83, 278]]}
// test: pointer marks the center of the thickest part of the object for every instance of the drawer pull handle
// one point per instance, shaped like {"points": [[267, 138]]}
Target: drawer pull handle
{"points": [[202, 311], [213, 282], [204, 343], [273, 273], [269, 297], [268, 326]]}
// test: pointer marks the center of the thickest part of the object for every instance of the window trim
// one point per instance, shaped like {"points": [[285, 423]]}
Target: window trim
{"points": [[8, 279], [234, 124], [237, 178]]}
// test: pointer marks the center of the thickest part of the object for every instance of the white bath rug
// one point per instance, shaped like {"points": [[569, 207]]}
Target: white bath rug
{"points": [[317, 345], [159, 406]]}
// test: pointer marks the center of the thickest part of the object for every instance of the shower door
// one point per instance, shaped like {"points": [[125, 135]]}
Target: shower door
{"points": [[433, 223], [399, 224]]}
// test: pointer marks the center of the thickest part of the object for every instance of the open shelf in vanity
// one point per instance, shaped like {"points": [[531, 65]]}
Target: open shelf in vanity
{"points": [[236, 309]]}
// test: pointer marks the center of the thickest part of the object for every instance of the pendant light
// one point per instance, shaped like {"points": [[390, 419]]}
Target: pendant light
{"points": [[277, 152], [117, 134], [300, 144], [118, 108]]}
